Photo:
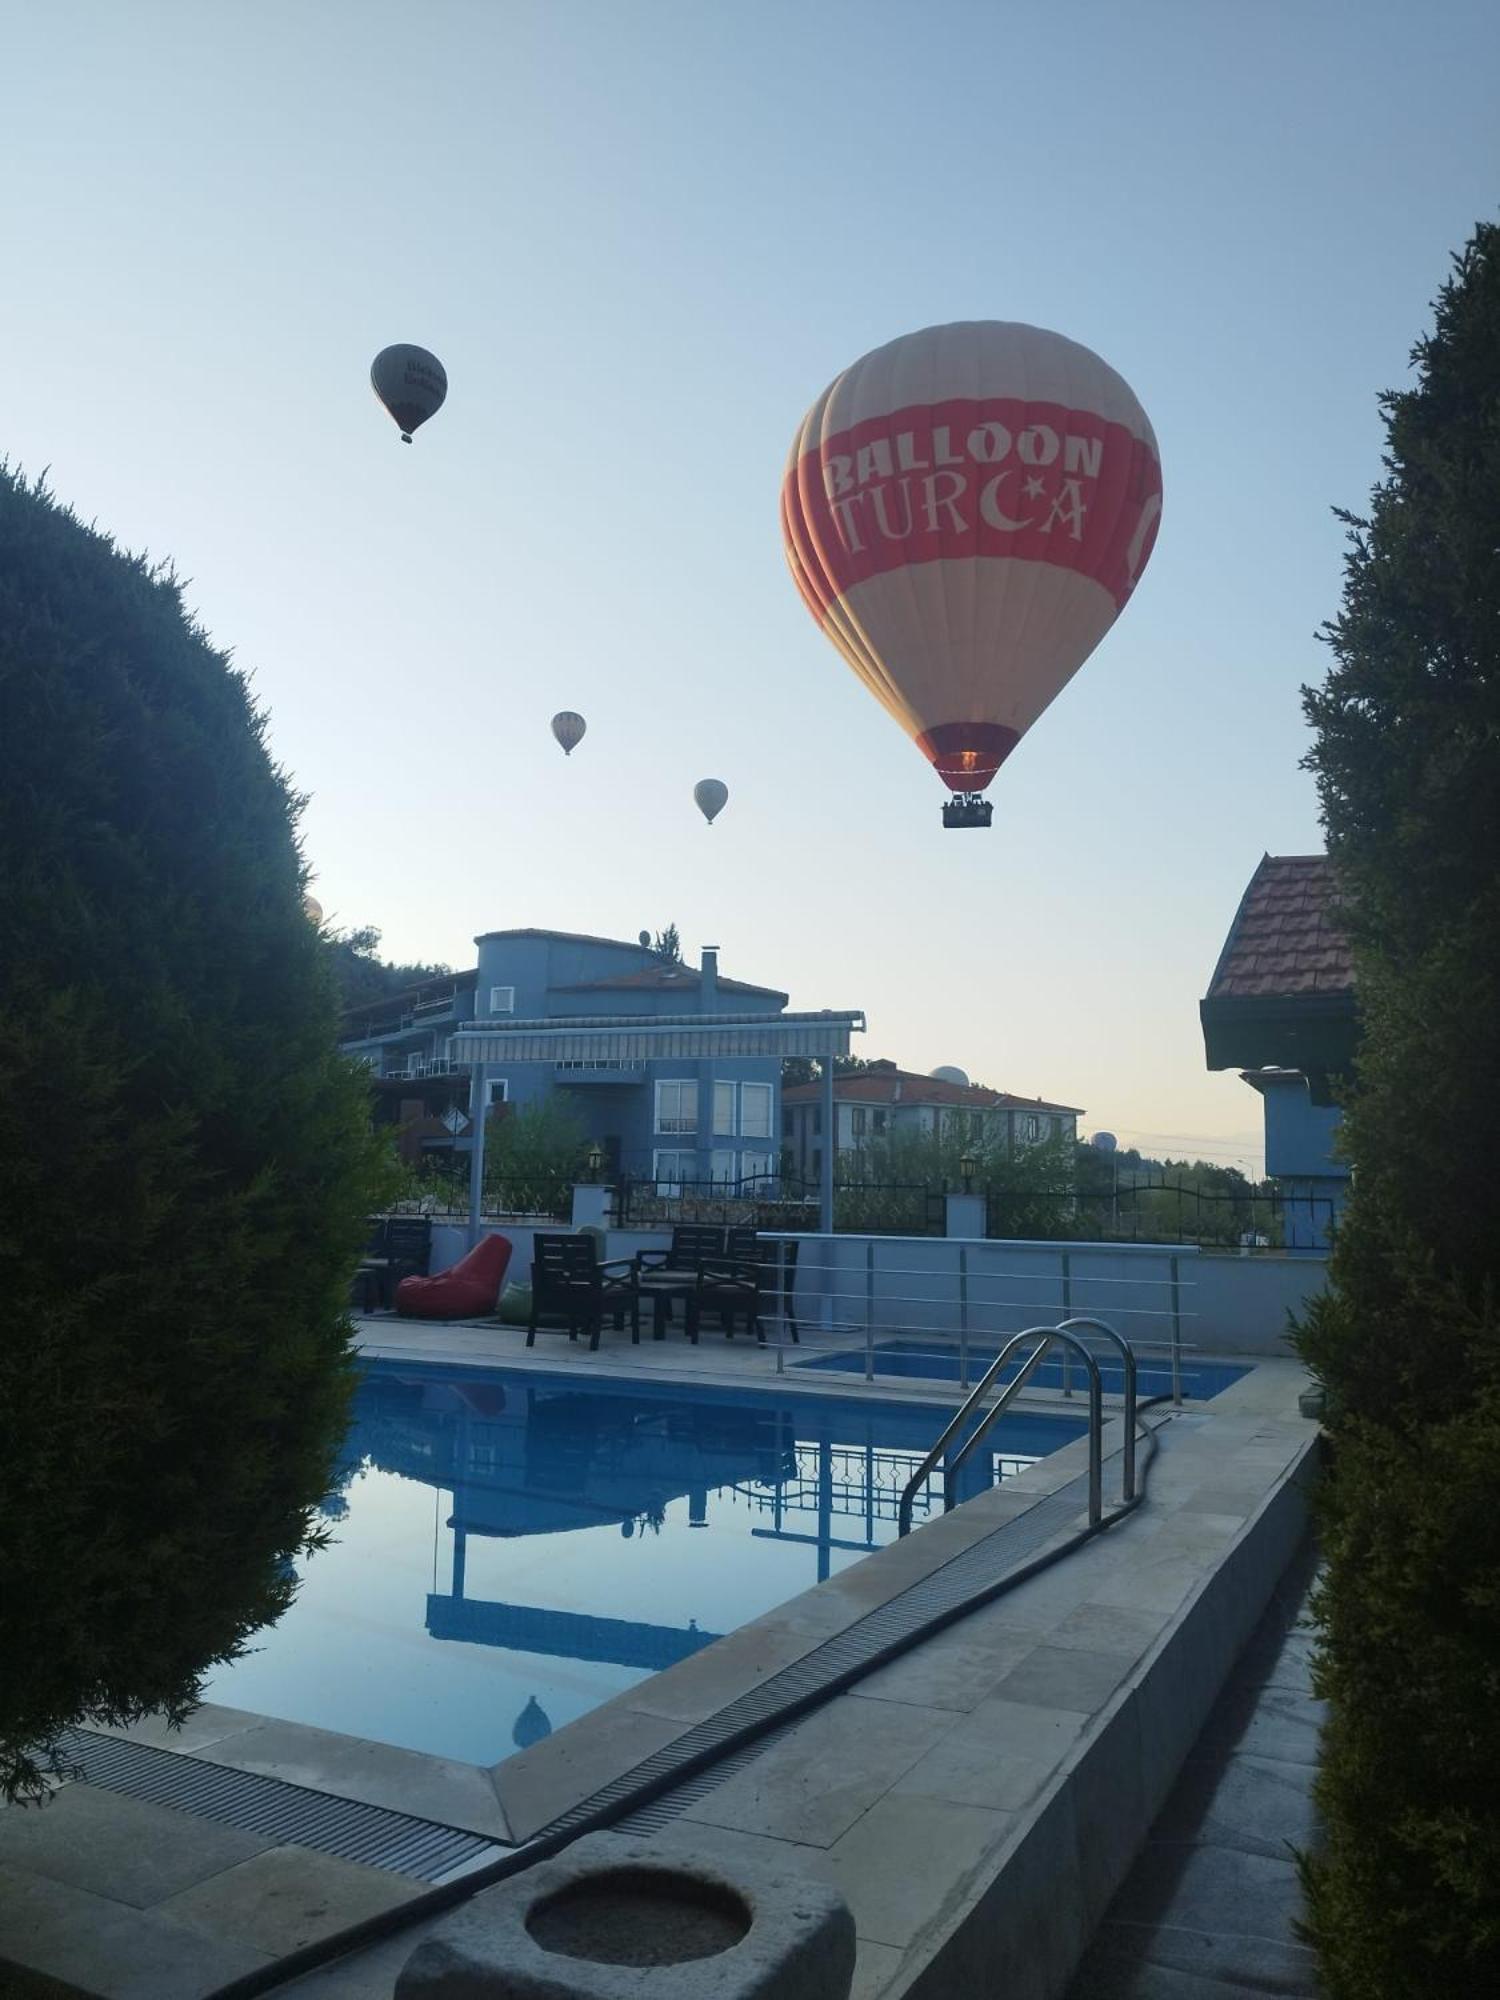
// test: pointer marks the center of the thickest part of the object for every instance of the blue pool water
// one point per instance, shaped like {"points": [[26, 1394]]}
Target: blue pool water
{"points": [[513, 1549], [937, 1361]]}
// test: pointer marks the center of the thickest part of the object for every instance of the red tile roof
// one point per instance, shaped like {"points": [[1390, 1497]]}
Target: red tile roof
{"points": [[906, 1086], [1285, 939]]}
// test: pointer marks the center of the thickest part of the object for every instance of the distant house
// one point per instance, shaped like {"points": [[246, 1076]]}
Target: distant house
{"points": [[672, 1118], [1280, 1008], [883, 1101]]}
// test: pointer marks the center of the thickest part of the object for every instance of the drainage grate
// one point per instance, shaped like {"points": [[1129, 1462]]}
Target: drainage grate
{"points": [[972, 1577], [295, 1814]]}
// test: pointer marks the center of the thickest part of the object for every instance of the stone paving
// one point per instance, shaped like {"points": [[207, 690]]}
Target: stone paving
{"points": [[1210, 1908]]}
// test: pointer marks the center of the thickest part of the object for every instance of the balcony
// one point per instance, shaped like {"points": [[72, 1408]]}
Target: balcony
{"points": [[573, 1073]]}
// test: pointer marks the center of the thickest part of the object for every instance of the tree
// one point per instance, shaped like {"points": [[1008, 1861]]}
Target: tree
{"points": [[1405, 1898], [363, 976], [669, 945], [185, 1162]]}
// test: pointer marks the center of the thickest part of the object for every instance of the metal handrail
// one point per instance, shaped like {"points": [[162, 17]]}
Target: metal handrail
{"points": [[1127, 1356], [1045, 1337]]}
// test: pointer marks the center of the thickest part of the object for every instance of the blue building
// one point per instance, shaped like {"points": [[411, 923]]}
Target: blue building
{"points": [[671, 1118], [1280, 1008]]}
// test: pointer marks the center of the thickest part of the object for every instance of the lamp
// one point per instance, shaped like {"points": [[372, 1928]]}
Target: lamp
{"points": [[594, 1160], [968, 1166]]}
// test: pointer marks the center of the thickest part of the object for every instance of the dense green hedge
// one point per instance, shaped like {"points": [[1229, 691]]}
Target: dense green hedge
{"points": [[1405, 1899], [185, 1165]]}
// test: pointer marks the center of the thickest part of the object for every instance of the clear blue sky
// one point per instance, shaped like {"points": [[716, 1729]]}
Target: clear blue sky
{"points": [[642, 235]]}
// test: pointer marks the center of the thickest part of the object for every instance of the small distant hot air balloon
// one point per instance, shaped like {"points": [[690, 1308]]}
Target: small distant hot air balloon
{"points": [[568, 728], [411, 383], [710, 796], [312, 909], [966, 512]]}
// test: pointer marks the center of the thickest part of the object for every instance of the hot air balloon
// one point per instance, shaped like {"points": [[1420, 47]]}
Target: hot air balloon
{"points": [[966, 512], [568, 728], [710, 795], [312, 909], [411, 383]]}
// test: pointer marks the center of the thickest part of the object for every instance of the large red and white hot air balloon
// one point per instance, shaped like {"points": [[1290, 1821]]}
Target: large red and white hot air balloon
{"points": [[966, 512]]}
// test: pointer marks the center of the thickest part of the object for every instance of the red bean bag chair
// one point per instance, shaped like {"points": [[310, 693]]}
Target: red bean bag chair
{"points": [[469, 1287]]}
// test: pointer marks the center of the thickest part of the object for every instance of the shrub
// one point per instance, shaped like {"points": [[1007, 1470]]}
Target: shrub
{"points": [[174, 1360], [1405, 1899]]}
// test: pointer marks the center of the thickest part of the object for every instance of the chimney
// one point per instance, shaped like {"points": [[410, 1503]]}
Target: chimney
{"points": [[709, 981]]}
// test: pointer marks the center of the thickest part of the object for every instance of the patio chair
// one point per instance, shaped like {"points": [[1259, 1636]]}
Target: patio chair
{"points": [[775, 1273], [726, 1290], [691, 1243], [408, 1249], [570, 1285]]}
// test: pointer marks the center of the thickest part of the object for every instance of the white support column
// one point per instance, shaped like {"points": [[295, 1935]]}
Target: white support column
{"points": [[479, 1111]]}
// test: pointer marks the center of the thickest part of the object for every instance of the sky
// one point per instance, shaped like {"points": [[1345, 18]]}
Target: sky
{"points": [[643, 235]]}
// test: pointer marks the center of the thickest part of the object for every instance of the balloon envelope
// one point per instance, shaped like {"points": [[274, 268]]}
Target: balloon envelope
{"points": [[710, 796], [568, 728], [411, 383], [966, 511], [312, 909]]}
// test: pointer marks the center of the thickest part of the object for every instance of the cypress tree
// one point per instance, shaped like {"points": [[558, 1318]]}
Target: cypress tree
{"points": [[1405, 1898], [185, 1162]]}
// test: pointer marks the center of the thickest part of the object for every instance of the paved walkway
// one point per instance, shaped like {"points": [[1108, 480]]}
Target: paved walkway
{"points": [[1208, 1911]]}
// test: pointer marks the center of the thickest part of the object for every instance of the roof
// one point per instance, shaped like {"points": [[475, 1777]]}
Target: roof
{"points": [[563, 937], [886, 1084], [670, 978], [1282, 994], [650, 1037], [1286, 938]]}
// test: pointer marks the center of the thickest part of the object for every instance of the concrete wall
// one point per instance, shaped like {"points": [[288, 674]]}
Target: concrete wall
{"points": [[1241, 1303]]}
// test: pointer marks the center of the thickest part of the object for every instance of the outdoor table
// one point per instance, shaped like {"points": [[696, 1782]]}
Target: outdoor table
{"points": [[373, 1272], [661, 1286]]}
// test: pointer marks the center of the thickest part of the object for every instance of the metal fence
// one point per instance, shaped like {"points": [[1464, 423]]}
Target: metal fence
{"points": [[781, 1201], [543, 1197], [1262, 1218]]}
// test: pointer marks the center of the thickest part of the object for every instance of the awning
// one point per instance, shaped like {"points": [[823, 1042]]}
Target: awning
{"points": [[603, 1038]]}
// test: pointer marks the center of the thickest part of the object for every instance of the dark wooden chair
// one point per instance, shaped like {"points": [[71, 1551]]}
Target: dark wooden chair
{"points": [[573, 1290], [726, 1290], [775, 1275], [408, 1250], [691, 1243]]}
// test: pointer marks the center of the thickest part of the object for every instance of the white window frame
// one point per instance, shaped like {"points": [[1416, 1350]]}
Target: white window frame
{"points": [[747, 1117], [682, 1121], [723, 1164], [496, 1091], [669, 1178], [1033, 1131], [502, 1000], [726, 1104], [757, 1166]]}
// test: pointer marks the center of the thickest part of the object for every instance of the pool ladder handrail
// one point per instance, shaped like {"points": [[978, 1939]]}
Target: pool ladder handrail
{"points": [[1046, 1337]]}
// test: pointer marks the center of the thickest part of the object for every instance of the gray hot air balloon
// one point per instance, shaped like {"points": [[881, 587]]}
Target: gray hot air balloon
{"points": [[710, 795], [411, 383], [568, 728]]}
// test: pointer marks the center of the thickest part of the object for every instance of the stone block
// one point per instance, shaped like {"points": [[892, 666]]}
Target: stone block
{"points": [[620, 1919]]}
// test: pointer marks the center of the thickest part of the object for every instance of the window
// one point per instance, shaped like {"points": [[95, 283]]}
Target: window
{"points": [[879, 1124], [670, 1168], [755, 1110], [497, 1090], [817, 1159], [721, 1164], [723, 1106], [677, 1105], [1033, 1128], [858, 1120], [755, 1167], [502, 999]]}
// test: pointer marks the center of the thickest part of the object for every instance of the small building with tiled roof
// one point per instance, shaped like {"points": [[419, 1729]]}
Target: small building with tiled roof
{"points": [[882, 1101], [1280, 1008]]}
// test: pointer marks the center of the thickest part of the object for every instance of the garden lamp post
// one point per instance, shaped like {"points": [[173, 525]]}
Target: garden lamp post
{"points": [[968, 1166]]}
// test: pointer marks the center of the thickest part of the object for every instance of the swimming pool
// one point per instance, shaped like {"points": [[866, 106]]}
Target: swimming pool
{"points": [[938, 1361], [513, 1549]]}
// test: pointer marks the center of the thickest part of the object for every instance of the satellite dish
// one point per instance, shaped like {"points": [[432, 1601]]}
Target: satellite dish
{"points": [[1104, 1142], [643, 939], [950, 1073]]}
